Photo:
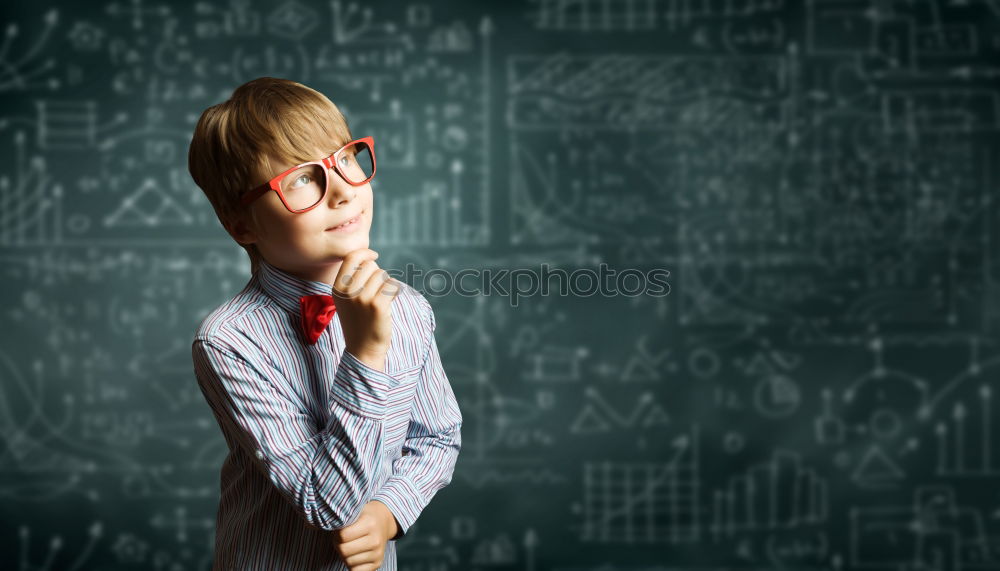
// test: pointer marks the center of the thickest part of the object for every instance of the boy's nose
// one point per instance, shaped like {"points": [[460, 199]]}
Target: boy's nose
{"points": [[338, 190]]}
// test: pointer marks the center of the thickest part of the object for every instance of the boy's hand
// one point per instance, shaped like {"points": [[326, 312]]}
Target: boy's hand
{"points": [[362, 544], [363, 294]]}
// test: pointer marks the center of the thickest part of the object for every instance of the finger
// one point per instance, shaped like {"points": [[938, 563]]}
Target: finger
{"points": [[355, 257], [362, 557], [359, 545], [352, 532], [346, 548], [375, 283], [388, 293], [353, 283], [352, 260], [353, 558], [348, 272], [391, 289], [372, 566]]}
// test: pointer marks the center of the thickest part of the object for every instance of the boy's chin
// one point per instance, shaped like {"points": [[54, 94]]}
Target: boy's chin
{"points": [[348, 244]]}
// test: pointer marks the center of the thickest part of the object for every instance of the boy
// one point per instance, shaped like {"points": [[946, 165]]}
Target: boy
{"points": [[323, 373]]}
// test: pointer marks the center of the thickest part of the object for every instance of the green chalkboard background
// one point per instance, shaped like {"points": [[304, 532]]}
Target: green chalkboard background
{"points": [[817, 181]]}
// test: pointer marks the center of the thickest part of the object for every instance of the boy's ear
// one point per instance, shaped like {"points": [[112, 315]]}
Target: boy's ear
{"points": [[241, 231]]}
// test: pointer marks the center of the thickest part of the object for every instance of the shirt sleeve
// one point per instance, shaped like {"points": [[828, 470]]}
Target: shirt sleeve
{"points": [[326, 472], [433, 441]]}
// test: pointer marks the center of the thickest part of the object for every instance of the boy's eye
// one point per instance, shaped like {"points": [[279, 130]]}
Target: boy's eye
{"points": [[301, 180], [345, 160]]}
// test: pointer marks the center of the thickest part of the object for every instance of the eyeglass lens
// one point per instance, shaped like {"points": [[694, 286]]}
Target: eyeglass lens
{"points": [[305, 187]]}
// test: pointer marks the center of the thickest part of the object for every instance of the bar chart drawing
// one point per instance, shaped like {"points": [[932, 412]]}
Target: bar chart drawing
{"points": [[644, 502], [432, 216], [31, 207], [781, 493]]}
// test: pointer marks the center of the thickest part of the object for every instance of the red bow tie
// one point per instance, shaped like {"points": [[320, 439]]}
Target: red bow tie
{"points": [[317, 311]]}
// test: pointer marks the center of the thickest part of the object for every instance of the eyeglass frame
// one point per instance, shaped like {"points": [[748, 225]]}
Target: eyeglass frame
{"points": [[327, 162]]}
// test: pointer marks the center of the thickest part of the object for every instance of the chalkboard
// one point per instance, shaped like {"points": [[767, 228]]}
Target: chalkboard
{"points": [[808, 386]]}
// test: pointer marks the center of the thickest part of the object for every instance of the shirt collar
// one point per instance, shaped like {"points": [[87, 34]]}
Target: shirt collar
{"points": [[285, 289]]}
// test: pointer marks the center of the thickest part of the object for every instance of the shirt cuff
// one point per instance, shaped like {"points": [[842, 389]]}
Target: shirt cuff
{"points": [[361, 388], [403, 500]]}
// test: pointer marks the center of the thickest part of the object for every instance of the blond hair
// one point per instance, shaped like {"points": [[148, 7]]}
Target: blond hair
{"points": [[266, 119]]}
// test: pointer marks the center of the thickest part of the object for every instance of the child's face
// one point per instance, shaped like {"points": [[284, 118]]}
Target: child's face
{"points": [[303, 243]]}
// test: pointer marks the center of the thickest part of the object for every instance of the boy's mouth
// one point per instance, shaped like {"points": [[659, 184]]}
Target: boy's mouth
{"points": [[348, 224]]}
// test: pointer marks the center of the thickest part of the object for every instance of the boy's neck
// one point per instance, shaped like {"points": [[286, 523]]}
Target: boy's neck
{"points": [[325, 273]]}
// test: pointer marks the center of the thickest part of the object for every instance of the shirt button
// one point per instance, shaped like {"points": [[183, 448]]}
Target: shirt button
{"points": [[260, 454]]}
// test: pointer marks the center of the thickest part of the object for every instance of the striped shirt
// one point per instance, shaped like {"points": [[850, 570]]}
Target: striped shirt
{"points": [[313, 432]]}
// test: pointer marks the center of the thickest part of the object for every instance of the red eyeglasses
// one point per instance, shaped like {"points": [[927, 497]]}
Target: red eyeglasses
{"points": [[303, 186]]}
